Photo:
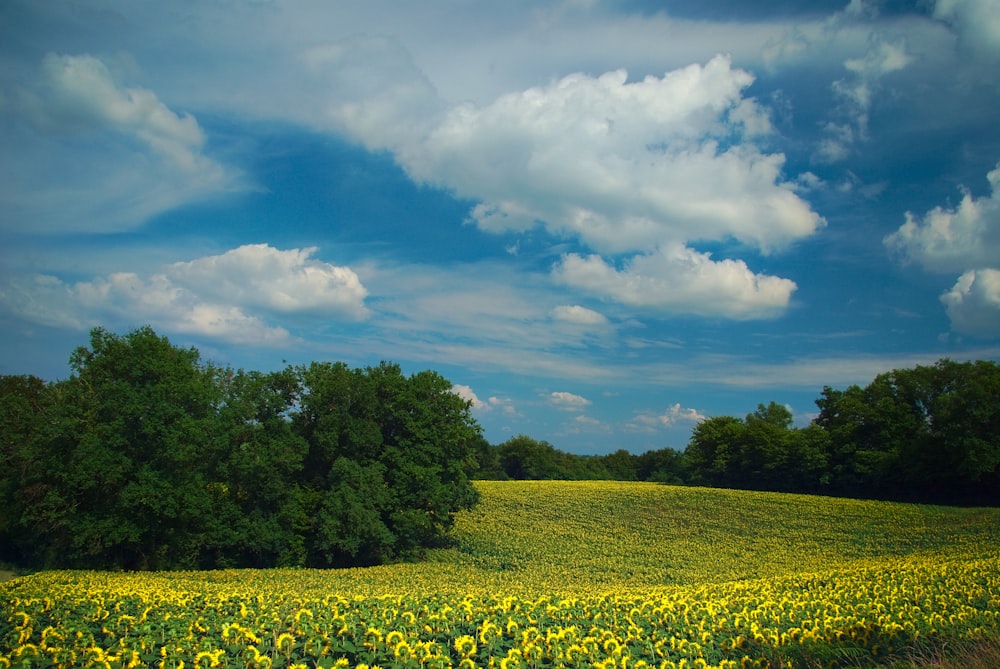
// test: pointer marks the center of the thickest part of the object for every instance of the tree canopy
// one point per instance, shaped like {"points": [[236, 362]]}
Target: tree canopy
{"points": [[147, 457]]}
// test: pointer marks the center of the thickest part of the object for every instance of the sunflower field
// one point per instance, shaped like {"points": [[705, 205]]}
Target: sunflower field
{"points": [[557, 574]]}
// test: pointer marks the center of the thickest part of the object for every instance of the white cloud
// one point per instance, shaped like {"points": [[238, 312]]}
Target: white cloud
{"points": [[225, 297], [965, 239], [623, 165], [578, 315], [467, 394], [504, 404], [973, 303], [263, 277], [856, 95], [583, 424], [678, 279], [381, 97], [626, 167], [568, 401], [977, 22], [78, 94], [672, 417], [94, 155], [125, 299], [947, 240]]}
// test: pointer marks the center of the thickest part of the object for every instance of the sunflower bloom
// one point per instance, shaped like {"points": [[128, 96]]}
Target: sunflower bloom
{"points": [[465, 645]]}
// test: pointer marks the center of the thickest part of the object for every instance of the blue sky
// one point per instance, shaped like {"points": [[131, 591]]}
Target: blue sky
{"points": [[601, 221]]}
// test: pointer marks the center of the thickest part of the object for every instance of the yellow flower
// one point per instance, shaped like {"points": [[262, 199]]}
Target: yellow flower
{"points": [[402, 650], [465, 645], [202, 657], [574, 653], [487, 632], [285, 643]]}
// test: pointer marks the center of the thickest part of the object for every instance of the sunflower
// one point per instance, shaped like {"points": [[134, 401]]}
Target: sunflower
{"points": [[465, 645]]}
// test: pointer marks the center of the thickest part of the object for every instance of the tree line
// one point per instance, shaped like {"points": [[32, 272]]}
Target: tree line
{"points": [[927, 434], [149, 458]]}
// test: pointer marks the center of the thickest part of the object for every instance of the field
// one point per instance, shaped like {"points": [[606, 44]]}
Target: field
{"points": [[550, 574]]}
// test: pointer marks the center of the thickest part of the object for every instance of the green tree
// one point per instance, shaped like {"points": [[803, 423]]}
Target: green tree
{"points": [[408, 442], [259, 520], [488, 465], [619, 465], [662, 466], [524, 458], [119, 473], [931, 433], [765, 450], [761, 452], [26, 459], [714, 453]]}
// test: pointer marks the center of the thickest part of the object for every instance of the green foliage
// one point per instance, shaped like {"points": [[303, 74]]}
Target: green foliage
{"points": [[147, 458], [931, 434], [399, 451]]}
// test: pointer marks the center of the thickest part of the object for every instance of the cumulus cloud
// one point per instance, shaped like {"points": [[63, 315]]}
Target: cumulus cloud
{"points": [[946, 240], [126, 299], [673, 416], [963, 239], [973, 303], [381, 97], [504, 404], [95, 155], [568, 401], [678, 279], [625, 167], [263, 277], [583, 424], [199, 297]]}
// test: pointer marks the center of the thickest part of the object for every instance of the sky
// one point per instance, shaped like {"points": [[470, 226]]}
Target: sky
{"points": [[603, 222]]}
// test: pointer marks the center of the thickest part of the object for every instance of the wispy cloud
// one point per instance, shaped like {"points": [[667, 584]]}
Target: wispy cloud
{"points": [[673, 416], [98, 156]]}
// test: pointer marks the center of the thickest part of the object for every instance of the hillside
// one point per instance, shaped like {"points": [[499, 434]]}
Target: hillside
{"points": [[559, 574], [610, 533]]}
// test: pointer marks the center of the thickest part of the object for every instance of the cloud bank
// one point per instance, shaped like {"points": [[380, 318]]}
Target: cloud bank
{"points": [[231, 296], [625, 167]]}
